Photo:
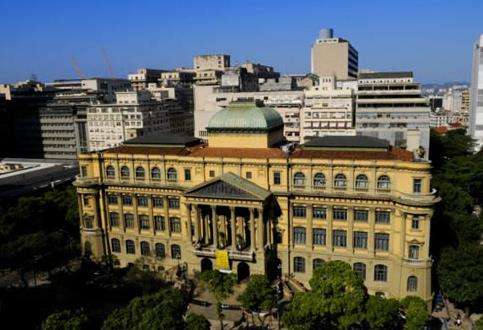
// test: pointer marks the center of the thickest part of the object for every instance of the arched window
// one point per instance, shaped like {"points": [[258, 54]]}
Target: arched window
{"points": [[360, 269], [175, 251], [383, 182], [412, 284], [160, 251], [362, 182], [155, 173], [145, 250], [299, 265], [317, 263], [110, 172], [380, 273], [413, 252], [319, 180], [125, 172], [115, 245], [130, 248], [340, 181], [299, 179], [175, 225], [172, 175], [140, 173]]}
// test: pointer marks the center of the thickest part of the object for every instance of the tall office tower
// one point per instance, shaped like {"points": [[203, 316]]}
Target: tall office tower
{"points": [[333, 56], [476, 115], [390, 107]]}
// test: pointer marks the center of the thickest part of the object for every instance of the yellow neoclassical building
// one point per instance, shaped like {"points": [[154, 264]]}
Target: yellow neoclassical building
{"points": [[247, 202]]}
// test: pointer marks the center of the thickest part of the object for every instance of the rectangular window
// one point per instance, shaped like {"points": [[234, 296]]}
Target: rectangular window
{"points": [[111, 199], [114, 219], [340, 238], [187, 174], [158, 202], [129, 220], [381, 241], [360, 240], [320, 212], [159, 223], [277, 178], [299, 235], [248, 175], [319, 236], [142, 201], [417, 186], [339, 214], [84, 171], [299, 211], [175, 225], [361, 215], [383, 217], [415, 222], [212, 174], [144, 221], [173, 203], [126, 200]]}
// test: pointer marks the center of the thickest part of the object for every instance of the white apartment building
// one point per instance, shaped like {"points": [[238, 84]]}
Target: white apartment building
{"points": [[322, 110], [327, 110], [135, 114], [457, 100], [476, 114], [390, 106], [141, 79]]}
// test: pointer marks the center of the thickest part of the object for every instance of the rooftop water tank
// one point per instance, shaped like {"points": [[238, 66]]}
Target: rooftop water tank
{"points": [[326, 34]]}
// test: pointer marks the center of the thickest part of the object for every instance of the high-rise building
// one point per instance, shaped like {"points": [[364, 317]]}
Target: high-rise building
{"points": [[333, 56], [476, 114], [390, 107], [248, 203]]}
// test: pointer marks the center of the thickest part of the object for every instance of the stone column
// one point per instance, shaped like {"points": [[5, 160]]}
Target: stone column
{"points": [[137, 228], [370, 236], [121, 213], [206, 229], [330, 223], [252, 229], [214, 226], [404, 219], [350, 232], [197, 222], [188, 213], [150, 214], [310, 236], [166, 215], [233, 228]]}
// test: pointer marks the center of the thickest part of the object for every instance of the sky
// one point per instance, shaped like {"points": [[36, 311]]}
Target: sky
{"points": [[432, 38]]}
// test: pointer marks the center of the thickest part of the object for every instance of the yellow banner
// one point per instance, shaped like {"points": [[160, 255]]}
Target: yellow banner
{"points": [[221, 260]]}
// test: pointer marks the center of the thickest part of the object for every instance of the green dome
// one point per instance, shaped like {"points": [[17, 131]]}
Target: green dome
{"points": [[241, 116]]}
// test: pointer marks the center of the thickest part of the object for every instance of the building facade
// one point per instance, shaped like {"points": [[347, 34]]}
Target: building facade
{"points": [[390, 106], [143, 77], [135, 114], [334, 56], [261, 207], [476, 114]]}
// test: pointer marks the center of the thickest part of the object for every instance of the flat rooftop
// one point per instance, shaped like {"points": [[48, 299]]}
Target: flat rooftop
{"points": [[160, 140], [385, 75], [347, 142]]}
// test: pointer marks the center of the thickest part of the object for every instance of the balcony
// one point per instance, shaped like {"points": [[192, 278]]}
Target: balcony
{"points": [[86, 181], [233, 255], [417, 262]]}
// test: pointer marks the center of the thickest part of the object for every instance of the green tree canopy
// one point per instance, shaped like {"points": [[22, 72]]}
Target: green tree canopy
{"points": [[259, 294], [416, 312], [337, 300], [66, 320], [197, 322], [382, 313]]}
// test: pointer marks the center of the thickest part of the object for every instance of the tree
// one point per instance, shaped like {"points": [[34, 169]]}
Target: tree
{"points": [[259, 295], [337, 300], [197, 322], [382, 313], [161, 310], [66, 320], [221, 286], [460, 274], [416, 312]]}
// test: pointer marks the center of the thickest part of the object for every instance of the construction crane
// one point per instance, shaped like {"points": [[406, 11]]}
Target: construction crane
{"points": [[76, 67], [108, 63]]}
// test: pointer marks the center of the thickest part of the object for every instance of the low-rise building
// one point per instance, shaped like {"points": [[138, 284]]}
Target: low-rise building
{"points": [[246, 202], [141, 79]]}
